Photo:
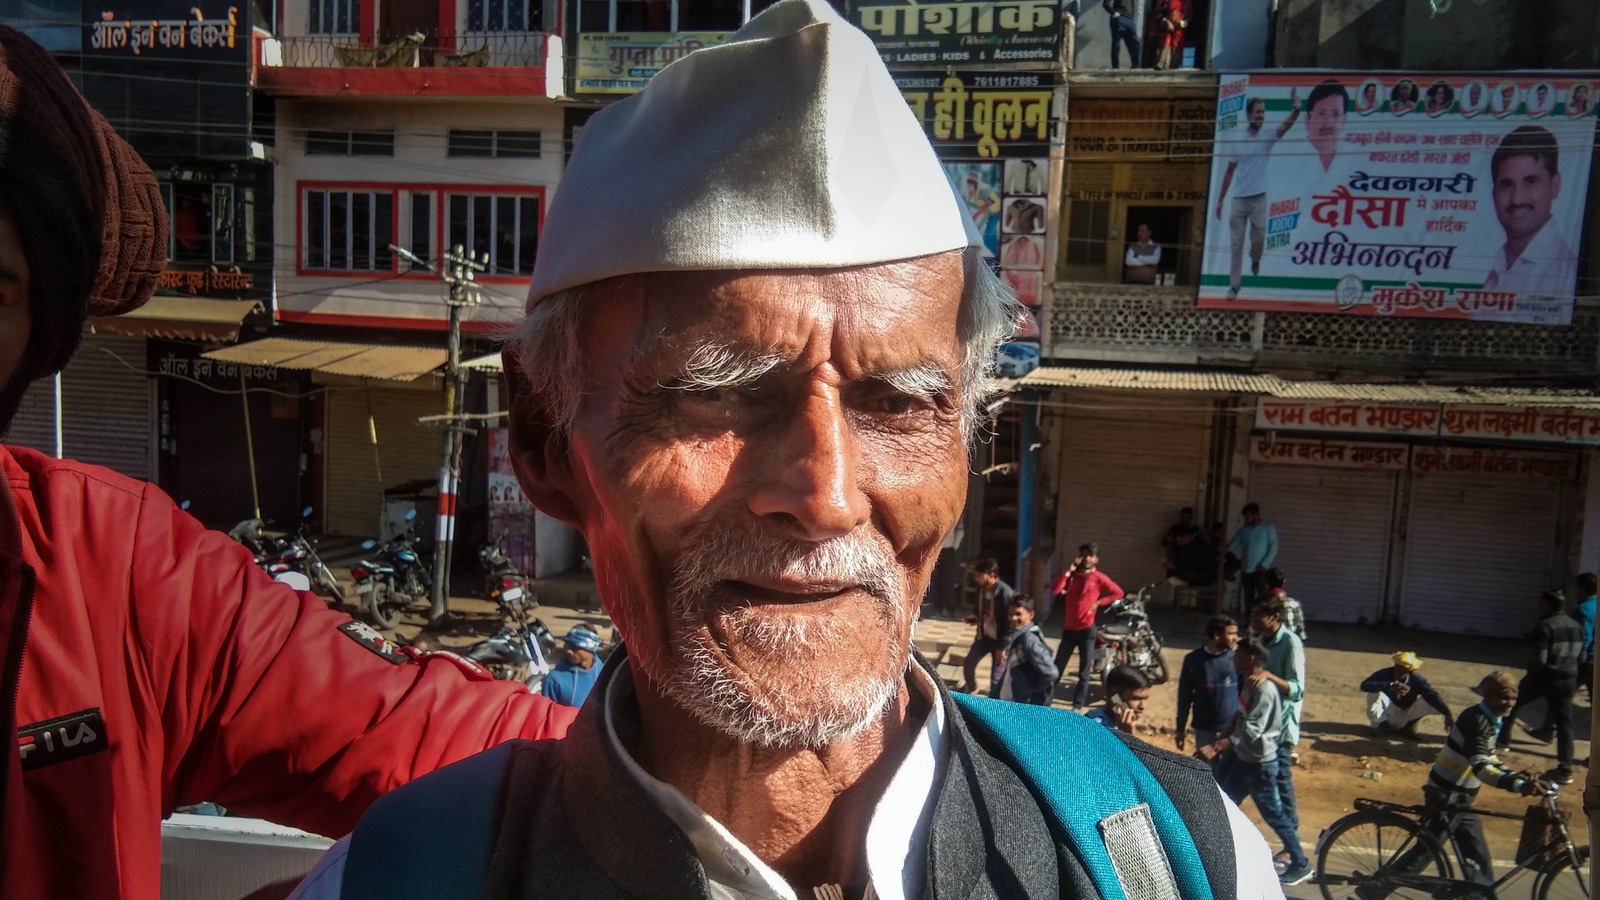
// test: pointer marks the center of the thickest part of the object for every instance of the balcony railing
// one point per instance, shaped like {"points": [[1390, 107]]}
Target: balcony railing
{"points": [[1132, 323], [465, 49]]}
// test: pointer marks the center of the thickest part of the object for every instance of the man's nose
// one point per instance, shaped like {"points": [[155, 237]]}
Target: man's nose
{"points": [[809, 487]]}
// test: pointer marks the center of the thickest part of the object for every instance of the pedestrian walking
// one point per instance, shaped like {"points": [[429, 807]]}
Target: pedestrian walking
{"points": [[1251, 752], [994, 597], [1255, 546], [1029, 669], [1208, 684], [1127, 691], [1398, 697], [1585, 616], [1285, 669], [1080, 591], [1553, 677], [1294, 615]]}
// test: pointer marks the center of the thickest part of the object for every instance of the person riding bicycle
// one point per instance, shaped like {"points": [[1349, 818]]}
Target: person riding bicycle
{"points": [[1466, 763]]}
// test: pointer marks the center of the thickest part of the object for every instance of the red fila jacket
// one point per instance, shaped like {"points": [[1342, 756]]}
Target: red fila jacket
{"points": [[148, 664]]}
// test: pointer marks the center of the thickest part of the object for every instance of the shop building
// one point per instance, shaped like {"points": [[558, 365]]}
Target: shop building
{"points": [[1417, 431]]}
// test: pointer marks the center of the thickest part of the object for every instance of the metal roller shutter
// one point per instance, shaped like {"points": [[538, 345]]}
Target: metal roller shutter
{"points": [[1333, 536], [1126, 471], [1478, 552], [107, 408], [406, 451]]}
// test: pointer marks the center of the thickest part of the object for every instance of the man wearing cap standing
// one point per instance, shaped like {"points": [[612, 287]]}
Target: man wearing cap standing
{"points": [[145, 662], [756, 407], [1398, 697], [574, 676]]}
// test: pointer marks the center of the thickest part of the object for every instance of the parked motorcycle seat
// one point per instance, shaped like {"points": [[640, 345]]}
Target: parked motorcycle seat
{"points": [[1117, 630]]}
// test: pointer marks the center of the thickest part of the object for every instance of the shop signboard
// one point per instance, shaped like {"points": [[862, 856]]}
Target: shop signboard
{"points": [[1539, 424], [624, 62], [1444, 196], [961, 32], [1478, 461], [1328, 454], [172, 76], [992, 132]]}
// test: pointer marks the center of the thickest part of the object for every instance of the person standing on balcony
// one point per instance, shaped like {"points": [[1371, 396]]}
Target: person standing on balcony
{"points": [[1124, 30]]}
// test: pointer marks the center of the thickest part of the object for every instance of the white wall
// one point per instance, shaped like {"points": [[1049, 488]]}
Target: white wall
{"points": [[419, 161]]}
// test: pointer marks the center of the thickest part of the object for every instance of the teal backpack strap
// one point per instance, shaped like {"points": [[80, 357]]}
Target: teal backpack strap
{"points": [[431, 838], [1038, 738]]}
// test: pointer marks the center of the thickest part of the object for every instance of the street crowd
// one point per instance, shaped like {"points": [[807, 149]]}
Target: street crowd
{"points": [[1243, 693]]}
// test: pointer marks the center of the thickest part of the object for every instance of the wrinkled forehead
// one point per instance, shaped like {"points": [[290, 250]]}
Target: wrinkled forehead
{"points": [[891, 314]]}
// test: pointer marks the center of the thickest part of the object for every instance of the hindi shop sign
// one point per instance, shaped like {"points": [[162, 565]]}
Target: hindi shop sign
{"points": [[1517, 463], [982, 115], [909, 33], [172, 76], [1329, 454], [624, 62], [1449, 196], [1541, 424]]}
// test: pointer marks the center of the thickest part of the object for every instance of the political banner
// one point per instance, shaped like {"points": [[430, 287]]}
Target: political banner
{"points": [[1450, 196]]}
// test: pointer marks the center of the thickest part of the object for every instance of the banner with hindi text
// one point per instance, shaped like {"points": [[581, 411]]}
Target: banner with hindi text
{"points": [[960, 32], [624, 62], [1446, 196]]}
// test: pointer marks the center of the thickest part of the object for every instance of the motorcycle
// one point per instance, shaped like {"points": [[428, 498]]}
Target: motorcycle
{"points": [[1126, 638], [291, 559], [502, 581], [519, 651], [394, 577]]}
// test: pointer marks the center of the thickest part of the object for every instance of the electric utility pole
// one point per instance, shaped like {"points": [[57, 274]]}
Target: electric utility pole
{"points": [[459, 270]]}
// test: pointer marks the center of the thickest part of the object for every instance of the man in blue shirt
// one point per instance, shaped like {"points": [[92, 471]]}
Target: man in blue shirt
{"points": [[1585, 616], [1208, 684], [569, 682], [1255, 545]]}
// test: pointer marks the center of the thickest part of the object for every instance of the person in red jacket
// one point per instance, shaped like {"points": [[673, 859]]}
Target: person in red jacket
{"points": [[1080, 591], [145, 662]]}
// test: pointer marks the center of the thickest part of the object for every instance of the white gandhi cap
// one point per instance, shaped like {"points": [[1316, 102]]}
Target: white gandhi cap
{"points": [[787, 147]]}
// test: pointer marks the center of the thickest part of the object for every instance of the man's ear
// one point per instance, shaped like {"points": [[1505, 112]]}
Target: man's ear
{"points": [[538, 449]]}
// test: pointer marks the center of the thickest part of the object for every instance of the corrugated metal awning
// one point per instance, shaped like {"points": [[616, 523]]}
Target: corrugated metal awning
{"points": [[385, 361], [489, 362], [181, 318], [1202, 381]]}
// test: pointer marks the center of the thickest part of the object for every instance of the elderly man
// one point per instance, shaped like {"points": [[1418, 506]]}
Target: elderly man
{"points": [[755, 404], [145, 662]]}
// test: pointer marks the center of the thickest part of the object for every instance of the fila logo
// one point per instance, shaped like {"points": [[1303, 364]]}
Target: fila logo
{"points": [[61, 739]]}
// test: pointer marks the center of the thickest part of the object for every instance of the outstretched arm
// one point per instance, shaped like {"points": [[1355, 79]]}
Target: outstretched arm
{"points": [[1294, 112]]}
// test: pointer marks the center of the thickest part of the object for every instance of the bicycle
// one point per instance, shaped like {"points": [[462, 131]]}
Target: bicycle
{"points": [[1356, 857]]}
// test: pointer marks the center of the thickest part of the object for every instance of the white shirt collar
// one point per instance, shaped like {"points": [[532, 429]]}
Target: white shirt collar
{"points": [[897, 836], [1546, 248]]}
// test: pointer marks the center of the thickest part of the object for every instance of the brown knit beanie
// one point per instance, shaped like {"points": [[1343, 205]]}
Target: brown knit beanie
{"points": [[121, 189]]}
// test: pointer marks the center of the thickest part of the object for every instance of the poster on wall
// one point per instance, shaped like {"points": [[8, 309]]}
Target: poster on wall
{"points": [[993, 132], [510, 513], [1449, 196]]}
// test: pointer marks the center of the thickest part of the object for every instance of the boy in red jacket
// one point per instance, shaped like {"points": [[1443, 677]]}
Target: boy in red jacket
{"points": [[1080, 591]]}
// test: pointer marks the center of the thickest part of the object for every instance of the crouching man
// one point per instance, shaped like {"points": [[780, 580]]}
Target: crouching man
{"points": [[755, 404]]}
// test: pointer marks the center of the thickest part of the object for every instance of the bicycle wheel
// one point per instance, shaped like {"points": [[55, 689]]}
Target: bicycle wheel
{"points": [[1358, 858], [1560, 881]]}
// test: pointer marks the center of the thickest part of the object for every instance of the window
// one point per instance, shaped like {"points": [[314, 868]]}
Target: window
{"points": [[1088, 224], [348, 230], [335, 17], [222, 217], [350, 143], [419, 227], [506, 227], [495, 144], [503, 15]]}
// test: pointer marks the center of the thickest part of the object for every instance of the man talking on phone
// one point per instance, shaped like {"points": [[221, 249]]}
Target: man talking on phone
{"points": [[1080, 591]]}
